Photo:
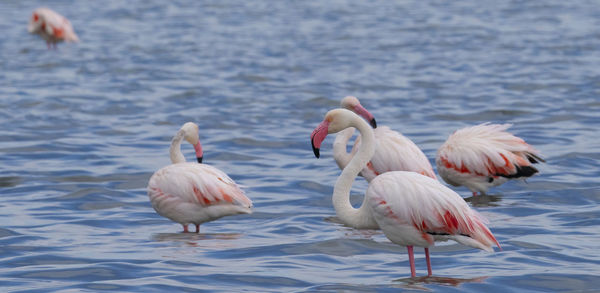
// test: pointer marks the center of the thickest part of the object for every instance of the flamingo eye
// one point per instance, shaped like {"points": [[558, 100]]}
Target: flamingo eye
{"points": [[35, 17]]}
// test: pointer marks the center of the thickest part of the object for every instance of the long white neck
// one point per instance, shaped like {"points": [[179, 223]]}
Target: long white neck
{"points": [[175, 150], [362, 217], [342, 158]]}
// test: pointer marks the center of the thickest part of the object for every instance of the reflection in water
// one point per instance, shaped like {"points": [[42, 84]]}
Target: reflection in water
{"points": [[486, 200], [415, 283], [192, 239]]}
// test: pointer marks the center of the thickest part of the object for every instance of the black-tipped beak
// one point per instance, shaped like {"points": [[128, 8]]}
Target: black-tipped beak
{"points": [[373, 123], [315, 150], [199, 160]]}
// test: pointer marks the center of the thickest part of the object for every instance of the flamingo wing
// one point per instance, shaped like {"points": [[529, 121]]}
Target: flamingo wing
{"points": [[413, 209], [396, 152]]}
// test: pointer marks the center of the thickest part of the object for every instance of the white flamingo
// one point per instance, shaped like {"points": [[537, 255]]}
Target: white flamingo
{"points": [[393, 151], [410, 208], [485, 155], [51, 26], [193, 193]]}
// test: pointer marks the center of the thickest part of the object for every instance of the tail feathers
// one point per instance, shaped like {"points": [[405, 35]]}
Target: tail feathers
{"points": [[534, 159], [468, 241], [522, 171]]}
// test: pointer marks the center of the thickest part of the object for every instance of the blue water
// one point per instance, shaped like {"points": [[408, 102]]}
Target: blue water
{"points": [[83, 128]]}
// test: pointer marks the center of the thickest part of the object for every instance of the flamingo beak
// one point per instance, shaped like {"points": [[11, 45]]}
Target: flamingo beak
{"points": [[373, 123], [361, 111], [317, 137], [199, 153], [315, 150]]}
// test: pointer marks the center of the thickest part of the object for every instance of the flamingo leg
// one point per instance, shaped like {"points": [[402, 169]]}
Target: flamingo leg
{"points": [[411, 259], [185, 229], [197, 228], [428, 261]]}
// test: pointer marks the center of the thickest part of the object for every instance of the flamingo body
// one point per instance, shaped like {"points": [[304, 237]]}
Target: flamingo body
{"points": [[393, 151], [485, 155], [412, 209], [51, 26], [194, 193]]}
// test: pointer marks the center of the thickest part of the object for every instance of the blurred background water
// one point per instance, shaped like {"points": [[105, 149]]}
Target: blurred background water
{"points": [[83, 128]]}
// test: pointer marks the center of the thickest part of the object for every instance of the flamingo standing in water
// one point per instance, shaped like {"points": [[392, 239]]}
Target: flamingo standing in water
{"points": [[51, 26], [393, 151], [485, 155], [193, 193], [410, 208]]}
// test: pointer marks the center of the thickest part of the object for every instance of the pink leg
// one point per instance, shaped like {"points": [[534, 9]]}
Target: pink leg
{"points": [[197, 228], [428, 261], [411, 259], [185, 229]]}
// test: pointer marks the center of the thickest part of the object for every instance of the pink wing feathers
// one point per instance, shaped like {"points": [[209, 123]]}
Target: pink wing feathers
{"points": [[416, 210], [488, 151], [197, 184]]}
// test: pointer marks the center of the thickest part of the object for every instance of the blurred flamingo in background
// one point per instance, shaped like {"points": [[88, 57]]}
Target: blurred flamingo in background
{"points": [[51, 26], [410, 208], [393, 151], [194, 193], [485, 155]]}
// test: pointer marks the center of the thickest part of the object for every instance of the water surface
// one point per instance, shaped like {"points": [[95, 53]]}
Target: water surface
{"points": [[83, 128]]}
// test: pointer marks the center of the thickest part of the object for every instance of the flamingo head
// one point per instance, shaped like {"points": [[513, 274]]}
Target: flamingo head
{"points": [[190, 134], [35, 22], [353, 104], [335, 121]]}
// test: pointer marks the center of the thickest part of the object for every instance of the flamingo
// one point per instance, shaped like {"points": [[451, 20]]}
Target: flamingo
{"points": [[393, 151], [193, 193], [51, 26], [485, 155], [411, 209]]}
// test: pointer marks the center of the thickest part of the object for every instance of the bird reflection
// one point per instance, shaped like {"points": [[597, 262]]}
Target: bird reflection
{"points": [[484, 200], [193, 239], [416, 283]]}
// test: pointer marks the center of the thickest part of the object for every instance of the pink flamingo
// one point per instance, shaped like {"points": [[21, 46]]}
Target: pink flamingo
{"points": [[192, 193], [410, 208], [393, 151], [485, 155], [51, 26]]}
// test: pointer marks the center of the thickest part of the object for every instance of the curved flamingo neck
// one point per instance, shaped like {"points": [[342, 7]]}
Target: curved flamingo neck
{"points": [[342, 158], [175, 149], [362, 217]]}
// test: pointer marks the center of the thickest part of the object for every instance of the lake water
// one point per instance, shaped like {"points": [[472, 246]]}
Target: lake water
{"points": [[84, 127]]}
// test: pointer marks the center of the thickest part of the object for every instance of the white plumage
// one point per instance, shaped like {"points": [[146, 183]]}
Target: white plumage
{"points": [[412, 209], [485, 155]]}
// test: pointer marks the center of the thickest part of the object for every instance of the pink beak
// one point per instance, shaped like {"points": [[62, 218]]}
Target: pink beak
{"points": [[360, 110], [199, 153], [318, 135]]}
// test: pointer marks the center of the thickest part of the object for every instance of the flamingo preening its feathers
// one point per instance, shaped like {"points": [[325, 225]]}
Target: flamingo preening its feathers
{"points": [[51, 26], [194, 193], [484, 156]]}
